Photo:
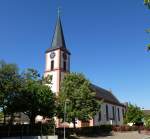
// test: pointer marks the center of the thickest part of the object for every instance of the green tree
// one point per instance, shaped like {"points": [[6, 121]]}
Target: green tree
{"points": [[25, 93], [148, 47], [35, 97], [133, 114], [147, 3], [9, 85], [147, 121], [1, 116], [82, 103]]}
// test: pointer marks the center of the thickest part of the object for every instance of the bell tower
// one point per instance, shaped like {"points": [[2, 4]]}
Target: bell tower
{"points": [[57, 57]]}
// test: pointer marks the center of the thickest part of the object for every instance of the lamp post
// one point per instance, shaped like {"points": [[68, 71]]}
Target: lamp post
{"points": [[66, 101]]}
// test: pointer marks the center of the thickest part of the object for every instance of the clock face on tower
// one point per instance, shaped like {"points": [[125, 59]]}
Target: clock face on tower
{"points": [[52, 54]]}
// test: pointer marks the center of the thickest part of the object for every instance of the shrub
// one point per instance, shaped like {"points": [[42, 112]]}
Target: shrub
{"points": [[147, 122], [125, 128], [94, 131], [26, 130], [86, 131]]}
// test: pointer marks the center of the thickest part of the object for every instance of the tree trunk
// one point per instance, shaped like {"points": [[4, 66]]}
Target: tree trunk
{"points": [[74, 125], [4, 122], [10, 123], [32, 122], [32, 119], [4, 118], [11, 119]]}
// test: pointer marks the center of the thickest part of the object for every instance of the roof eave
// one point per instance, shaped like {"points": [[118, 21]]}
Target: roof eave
{"points": [[111, 102], [61, 48]]}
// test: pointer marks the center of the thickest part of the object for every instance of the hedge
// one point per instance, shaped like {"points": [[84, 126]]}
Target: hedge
{"points": [[94, 131], [28, 130]]}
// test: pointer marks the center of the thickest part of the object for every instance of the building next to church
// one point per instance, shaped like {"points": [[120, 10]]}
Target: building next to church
{"points": [[57, 63]]}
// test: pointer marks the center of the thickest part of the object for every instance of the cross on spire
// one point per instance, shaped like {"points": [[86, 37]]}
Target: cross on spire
{"points": [[58, 12]]}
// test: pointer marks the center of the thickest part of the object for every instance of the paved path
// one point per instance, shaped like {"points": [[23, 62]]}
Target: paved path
{"points": [[126, 135]]}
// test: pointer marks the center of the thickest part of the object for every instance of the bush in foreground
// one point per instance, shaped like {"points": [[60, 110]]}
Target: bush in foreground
{"points": [[38, 129], [94, 131]]}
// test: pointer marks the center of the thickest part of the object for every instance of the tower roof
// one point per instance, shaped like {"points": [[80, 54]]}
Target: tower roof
{"points": [[58, 40]]}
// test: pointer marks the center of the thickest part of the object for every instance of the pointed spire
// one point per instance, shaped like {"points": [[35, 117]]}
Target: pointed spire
{"points": [[58, 38]]}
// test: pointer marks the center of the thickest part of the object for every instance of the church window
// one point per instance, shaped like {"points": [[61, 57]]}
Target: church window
{"points": [[107, 114], [99, 114], [64, 67], [113, 112], [118, 114], [52, 65]]}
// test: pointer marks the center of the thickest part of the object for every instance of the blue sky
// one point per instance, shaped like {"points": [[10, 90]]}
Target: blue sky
{"points": [[106, 38]]}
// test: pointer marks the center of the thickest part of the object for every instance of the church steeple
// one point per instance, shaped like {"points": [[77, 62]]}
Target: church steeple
{"points": [[58, 40], [57, 57]]}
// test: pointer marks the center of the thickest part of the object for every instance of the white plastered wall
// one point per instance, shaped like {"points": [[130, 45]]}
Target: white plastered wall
{"points": [[48, 60], [56, 72], [104, 121]]}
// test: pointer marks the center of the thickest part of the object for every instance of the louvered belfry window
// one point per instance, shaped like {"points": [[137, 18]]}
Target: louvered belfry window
{"points": [[52, 65]]}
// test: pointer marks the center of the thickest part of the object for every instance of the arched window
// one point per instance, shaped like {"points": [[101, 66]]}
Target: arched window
{"points": [[118, 114], [99, 114], [107, 114], [113, 112], [52, 65]]}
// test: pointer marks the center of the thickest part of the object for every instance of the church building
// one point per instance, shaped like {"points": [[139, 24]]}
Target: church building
{"points": [[57, 63]]}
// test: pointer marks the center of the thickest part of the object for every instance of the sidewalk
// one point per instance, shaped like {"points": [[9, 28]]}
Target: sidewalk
{"points": [[124, 135]]}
